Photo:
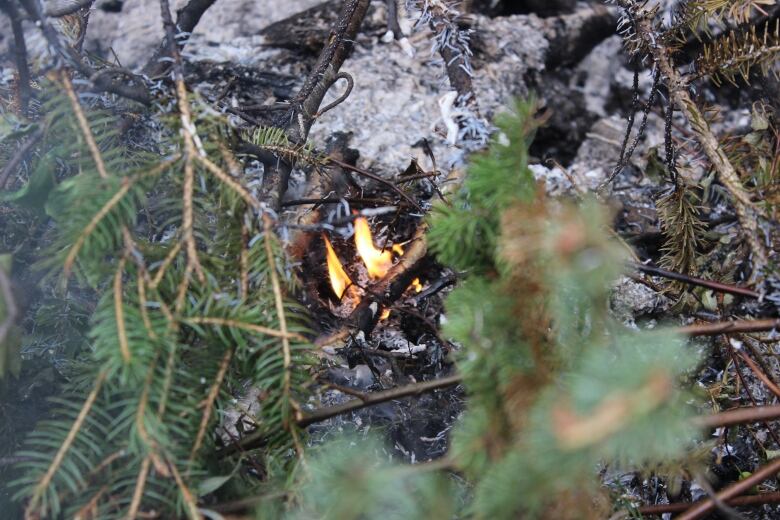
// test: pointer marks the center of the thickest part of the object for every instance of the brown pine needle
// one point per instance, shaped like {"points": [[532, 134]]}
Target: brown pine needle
{"points": [[140, 484], [209, 404], [119, 312], [282, 324], [189, 500], [224, 322], [167, 261], [84, 125], [232, 183]]}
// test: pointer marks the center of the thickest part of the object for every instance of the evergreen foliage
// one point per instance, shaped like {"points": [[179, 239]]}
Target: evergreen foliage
{"points": [[163, 350]]}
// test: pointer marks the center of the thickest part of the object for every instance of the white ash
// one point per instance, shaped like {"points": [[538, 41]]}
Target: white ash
{"points": [[631, 300], [395, 341]]}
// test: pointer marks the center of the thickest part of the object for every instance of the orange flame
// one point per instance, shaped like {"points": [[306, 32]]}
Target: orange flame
{"points": [[339, 280], [377, 262], [417, 285]]}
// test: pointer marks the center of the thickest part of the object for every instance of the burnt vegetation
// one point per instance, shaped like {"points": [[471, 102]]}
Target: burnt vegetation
{"points": [[214, 304]]}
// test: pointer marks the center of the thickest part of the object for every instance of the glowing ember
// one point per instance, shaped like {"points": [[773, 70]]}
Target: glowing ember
{"points": [[417, 285], [385, 314], [339, 280], [377, 262]]}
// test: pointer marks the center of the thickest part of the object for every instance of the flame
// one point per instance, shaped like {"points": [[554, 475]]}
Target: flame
{"points": [[377, 262], [385, 314], [417, 285], [339, 280]]}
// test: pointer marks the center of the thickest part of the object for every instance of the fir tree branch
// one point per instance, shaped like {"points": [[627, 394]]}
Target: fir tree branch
{"points": [[43, 484]]}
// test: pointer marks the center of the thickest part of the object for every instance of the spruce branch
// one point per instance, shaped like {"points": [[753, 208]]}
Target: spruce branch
{"points": [[32, 509], [737, 53], [747, 213]]}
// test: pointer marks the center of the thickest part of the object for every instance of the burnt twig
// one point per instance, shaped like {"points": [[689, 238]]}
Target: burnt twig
{"points": [[702, 508], [20, 55], [740, 501], [692, 280], [187, 19], [726, 327]]}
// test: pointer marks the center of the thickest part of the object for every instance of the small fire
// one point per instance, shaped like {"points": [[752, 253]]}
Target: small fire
{"points": [[339, 280], [377, 262]]}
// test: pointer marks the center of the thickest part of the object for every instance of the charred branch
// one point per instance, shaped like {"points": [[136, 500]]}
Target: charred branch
{"points": [[20, 55], [363, 401], [187, 19]]}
